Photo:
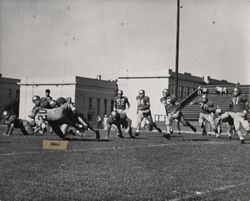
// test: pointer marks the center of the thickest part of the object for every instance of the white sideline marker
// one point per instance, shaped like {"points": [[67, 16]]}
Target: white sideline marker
{"points": [[55, 144]]}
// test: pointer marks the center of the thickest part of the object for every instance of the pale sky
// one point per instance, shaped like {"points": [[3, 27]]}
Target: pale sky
{"points": [[91, 37]]}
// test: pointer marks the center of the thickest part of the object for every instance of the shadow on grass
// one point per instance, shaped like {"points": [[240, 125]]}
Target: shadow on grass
{"points": [[3, 142], [196, 139]]}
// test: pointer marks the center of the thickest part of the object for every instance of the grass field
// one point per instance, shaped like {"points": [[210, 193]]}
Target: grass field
{"points": [[188, 167]]}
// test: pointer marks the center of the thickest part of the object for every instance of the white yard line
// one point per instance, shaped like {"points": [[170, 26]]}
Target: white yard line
{"points": [[109, 148], [202, 193]]}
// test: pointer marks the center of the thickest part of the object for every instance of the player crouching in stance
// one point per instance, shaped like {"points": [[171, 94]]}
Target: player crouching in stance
{"points": [[173, 112], [119, 121], [13, 122], [143, 111], [206, 114], [239, 106], [226, 118]]}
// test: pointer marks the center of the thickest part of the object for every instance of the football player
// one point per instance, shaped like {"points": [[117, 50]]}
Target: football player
{"points": [[115, 119], [121, 105], [143, 111], [239, 106], [39, 104], [173, 113], [206, 114], [226, 118], [79, 117], [12, 121], [65, 115]]}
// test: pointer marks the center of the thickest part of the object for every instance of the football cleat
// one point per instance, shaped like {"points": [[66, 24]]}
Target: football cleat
{"points": [[97, 133], [120, 136], [158, 129], [242, 141], [167, 136], [204, 132]]}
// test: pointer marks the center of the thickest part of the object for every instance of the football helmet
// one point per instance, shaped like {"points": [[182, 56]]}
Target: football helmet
{"points": [[236, 91], [204, 98], [6, 114], [120, 92], [165, 92], [35, 98], [142, 92], [53, 103], [114, 114], [205, 91]]}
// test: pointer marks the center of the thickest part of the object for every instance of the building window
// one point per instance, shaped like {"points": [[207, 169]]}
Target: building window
{"points": [[188, 91], [9, 93], [180, 91], [90, 117], [83, 104], [173, 89], [112, 105], [17, 94], [90, 103], [98, 105], [105, 106]]}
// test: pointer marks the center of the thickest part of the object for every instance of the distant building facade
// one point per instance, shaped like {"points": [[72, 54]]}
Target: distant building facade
{"points": [[9, 90], [154, 82], [188, 83], [91, 96]]}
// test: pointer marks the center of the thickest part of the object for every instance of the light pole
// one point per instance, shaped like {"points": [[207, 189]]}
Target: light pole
{"points": [[177, 49]]}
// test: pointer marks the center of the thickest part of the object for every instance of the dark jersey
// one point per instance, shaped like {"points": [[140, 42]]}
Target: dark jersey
{"points": [[120, 103], [143, 103], [207, 107], [169, 103], [13, 119], [239, 104], [117, 121]]}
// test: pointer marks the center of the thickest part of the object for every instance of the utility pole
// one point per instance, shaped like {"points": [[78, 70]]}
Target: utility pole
{"points": [[177, 49]]}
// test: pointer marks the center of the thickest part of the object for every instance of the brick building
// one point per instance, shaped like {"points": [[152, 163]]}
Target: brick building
{"points": [[9, 90]]}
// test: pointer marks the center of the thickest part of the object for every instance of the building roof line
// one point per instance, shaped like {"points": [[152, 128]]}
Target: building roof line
{"points": [[37, 83], [145, 77]]}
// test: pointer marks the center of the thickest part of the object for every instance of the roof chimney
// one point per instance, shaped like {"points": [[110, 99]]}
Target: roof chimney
{"points": [[98, 77]]}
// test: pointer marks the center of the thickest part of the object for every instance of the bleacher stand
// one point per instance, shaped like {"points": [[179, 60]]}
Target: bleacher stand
{"points": [[191, 112]]}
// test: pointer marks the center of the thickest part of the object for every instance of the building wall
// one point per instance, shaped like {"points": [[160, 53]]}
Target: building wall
{"points": [[187, 83], [9, 90], [94, 97]]}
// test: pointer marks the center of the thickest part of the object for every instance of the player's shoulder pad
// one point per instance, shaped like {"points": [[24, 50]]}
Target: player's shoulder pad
{"points": [[137, 97], [146, 98], [61, 100]]}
